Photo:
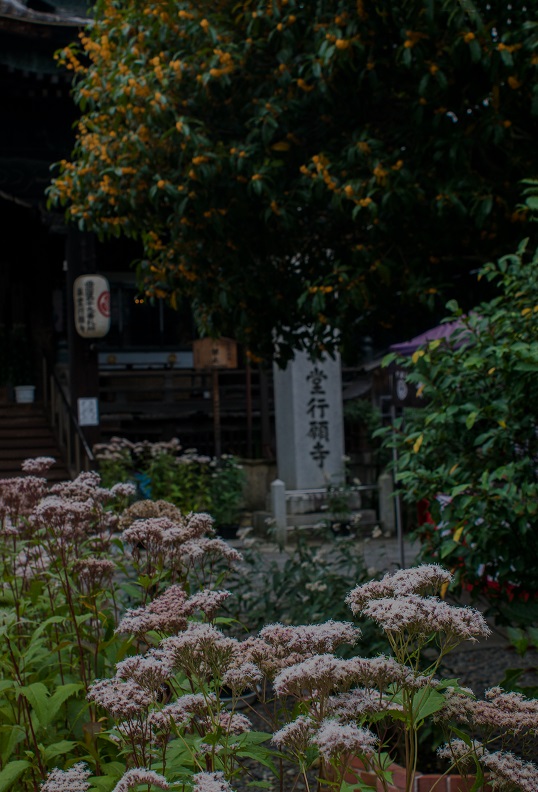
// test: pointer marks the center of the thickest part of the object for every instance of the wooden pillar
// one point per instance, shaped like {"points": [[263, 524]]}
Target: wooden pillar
{"points": [[83, 366]]}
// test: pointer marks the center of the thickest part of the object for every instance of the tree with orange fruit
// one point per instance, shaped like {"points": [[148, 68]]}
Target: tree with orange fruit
{"points": [[304, 168]]}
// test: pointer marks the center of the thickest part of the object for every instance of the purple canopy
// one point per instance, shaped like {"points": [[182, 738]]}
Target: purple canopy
{"points": [[439, 332]]}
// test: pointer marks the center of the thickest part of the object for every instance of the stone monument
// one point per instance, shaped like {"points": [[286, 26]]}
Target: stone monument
{"points": [[309, 422]]}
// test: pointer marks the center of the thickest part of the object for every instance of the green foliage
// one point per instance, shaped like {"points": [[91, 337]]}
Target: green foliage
{"points": [[191, 481], [475, 441], [293, 165], [363, 414]]}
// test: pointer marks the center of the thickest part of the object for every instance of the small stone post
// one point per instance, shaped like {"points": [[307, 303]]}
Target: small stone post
{"points": [[278, 508], [386, 503]]}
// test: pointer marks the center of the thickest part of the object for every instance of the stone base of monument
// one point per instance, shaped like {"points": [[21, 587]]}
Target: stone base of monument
{"points": [[313, 525], [315, 513], [308, 501]]}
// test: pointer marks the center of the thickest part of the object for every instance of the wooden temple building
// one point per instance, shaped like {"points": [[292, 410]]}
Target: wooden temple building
{"points": [[142, 373]]}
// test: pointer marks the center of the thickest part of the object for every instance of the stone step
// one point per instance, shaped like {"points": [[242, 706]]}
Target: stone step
{"points": [[25, 434], [37, 440]]}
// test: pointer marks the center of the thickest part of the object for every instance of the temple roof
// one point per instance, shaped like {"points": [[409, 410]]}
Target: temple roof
{"points": [[64, 14]]}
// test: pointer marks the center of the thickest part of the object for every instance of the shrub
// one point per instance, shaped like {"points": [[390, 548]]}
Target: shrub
{"points": [[475, 440], [191, 481], [72, 559]]}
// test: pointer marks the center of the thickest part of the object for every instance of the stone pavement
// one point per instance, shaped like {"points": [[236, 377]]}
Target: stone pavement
{"points": [[382, 553]]}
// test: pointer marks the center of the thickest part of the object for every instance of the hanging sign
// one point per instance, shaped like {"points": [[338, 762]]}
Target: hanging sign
{"points": [[405, 393], [91, 294], [214, 353], [88, 412]]}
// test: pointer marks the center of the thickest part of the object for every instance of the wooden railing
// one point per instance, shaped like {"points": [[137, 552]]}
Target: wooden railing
{"points": [[75, 450]]}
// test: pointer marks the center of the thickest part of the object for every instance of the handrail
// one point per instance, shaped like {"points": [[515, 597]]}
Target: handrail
{"points": [[71, 441]]}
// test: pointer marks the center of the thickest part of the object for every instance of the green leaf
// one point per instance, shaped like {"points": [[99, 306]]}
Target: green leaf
{"points": [[37, 696], [104, 783], [10, 737], [11, 773], [518, 639], [58, 749], [470, 420], [46, 707], [426, 702]]}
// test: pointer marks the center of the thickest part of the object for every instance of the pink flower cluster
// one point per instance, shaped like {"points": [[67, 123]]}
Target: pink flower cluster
{"points": [[200, 651], [183, 711], [139, 775], [73, 780], [19, 496], [150, 671], [398, 604], [357, 704], [37, 465], [331, 737], [123, 699], [505, 769], [93, 572], [424, 579], [512, 712], [280, 646], [422, 616], [314, 677], [210, 782], [310, 638], [175, 541], [334, 739], [169, 613]]}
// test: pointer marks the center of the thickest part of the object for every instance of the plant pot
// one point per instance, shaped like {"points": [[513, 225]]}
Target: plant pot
{"points": [[24, 394], [424, 782]]}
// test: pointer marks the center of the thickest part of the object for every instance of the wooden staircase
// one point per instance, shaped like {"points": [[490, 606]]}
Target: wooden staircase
{"points": [[24, 433]]}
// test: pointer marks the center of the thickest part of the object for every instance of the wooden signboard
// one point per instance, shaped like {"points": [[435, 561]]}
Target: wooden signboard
{"points": [[214, 353]]}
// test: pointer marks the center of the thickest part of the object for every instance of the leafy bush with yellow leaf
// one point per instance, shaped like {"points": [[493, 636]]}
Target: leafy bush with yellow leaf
{"points": [[472, 449]]}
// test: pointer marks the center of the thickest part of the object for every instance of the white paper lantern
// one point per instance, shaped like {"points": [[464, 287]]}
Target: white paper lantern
{"points": [[91, 295]]}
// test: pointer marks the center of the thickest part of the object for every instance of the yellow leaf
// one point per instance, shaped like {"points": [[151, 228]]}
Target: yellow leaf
{"points": [[457, 533], [282, 145], [453, 469], [443, 590], [502, 424], [526, 311], [491, 370], [173, 301], [416, 355], [418, 443]]}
